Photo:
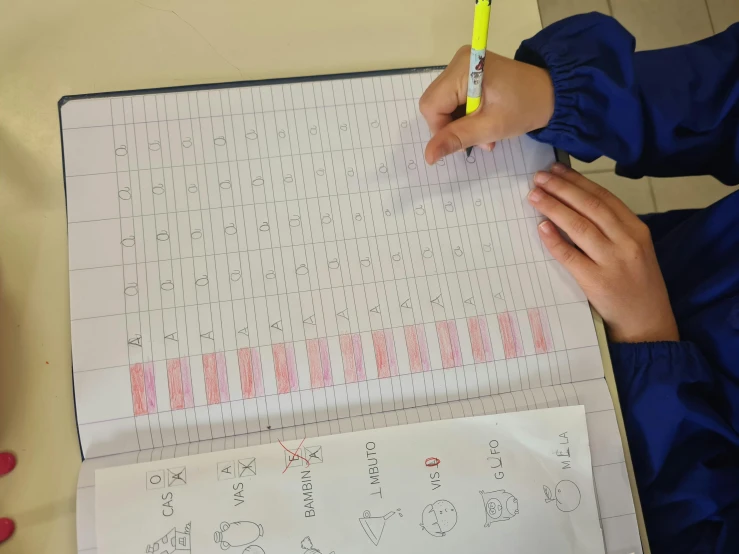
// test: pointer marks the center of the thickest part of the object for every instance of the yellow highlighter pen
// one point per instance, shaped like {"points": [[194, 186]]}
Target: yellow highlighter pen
{"points": [[477, 56]]}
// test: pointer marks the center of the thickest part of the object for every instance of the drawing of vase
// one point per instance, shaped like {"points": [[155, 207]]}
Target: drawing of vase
{"points": [[238, 533]]}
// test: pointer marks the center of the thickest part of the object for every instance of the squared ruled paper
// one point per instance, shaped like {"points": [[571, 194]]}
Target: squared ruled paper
{"points": [[279, 257]]}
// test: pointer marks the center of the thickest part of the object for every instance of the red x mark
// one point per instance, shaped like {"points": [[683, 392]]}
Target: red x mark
{"points": [[294, 455]]}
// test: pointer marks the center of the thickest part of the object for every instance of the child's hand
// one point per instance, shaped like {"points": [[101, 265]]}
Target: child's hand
{"points": [[615, 265], [516, 98]]}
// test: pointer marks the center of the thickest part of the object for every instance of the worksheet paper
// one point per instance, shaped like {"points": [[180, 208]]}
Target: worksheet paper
{"points": [[518, 482], [277, 261]]}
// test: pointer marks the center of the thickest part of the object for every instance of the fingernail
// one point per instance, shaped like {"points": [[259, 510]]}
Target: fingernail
{"points": [[535, 195], [546, 227], [541, 177], [559, 168]]}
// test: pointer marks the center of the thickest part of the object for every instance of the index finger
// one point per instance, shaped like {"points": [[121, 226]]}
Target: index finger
{"points": [[608, 198], [446, 93]]}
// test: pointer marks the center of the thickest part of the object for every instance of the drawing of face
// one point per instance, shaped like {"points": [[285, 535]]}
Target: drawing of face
{"points": [[567, 496], [439, 518], [512, 506], [494, 508]]}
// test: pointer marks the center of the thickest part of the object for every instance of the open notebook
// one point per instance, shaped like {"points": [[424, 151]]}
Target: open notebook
{"points": [[276, 261]]}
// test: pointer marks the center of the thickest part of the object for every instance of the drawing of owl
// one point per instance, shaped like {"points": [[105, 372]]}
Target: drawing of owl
{"points": [[499, 506]]}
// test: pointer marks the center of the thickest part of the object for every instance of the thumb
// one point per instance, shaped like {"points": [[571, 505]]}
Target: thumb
{"points": [[461, 133]]}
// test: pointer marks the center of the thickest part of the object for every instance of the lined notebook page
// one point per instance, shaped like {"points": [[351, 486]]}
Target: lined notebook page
{"points": [[261, 257]]}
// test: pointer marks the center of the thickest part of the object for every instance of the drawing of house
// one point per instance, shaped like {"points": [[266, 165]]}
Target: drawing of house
{"points": [[174, 542]]}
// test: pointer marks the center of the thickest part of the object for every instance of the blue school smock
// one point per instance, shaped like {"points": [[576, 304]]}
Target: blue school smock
{"points": [[667, 113]]}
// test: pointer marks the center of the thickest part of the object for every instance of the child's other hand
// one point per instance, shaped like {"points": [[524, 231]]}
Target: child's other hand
{"points": [[516, 98], [615, 265]]}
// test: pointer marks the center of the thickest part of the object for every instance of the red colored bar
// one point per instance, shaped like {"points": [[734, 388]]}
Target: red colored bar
{"points": [[281, 371], [486, 342], [540, 343], [509, 346], [138, 390], [210, 370], [246, 372], [347, 355], [414, 352], [510, 333], [328, 378], [174, 377], [187, 383], [383, 365], [314, 363], [478, 350], [359, 357], [445, 344], [454, 336], [222, 377]]}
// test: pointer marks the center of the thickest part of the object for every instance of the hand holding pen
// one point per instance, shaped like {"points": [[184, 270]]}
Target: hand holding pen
{"points": [[515, 98]]}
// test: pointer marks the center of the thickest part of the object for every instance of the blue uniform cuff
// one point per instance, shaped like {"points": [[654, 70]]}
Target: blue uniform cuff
{"points": [[582, 54]]}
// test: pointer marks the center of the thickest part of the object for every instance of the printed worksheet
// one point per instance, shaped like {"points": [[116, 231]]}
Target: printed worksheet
{"points": [[518, 482]]}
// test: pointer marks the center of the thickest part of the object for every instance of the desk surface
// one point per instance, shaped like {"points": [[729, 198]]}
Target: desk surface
{"points": [[52, 48]]}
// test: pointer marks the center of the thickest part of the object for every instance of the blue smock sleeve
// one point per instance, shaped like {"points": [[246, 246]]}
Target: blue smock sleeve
{"points": [[662, 113], [685, 451]]}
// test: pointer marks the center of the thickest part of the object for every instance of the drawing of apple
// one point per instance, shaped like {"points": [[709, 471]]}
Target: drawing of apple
{"points": [[567, 496]]}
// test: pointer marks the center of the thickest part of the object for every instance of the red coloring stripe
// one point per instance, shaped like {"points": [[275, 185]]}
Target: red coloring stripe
{"points": [[187, 383], [383, 365], [478, 350], [456, 348], [445, 344], [414, 352], [314, 363], [328, 378], [247, 373], [281, 370], [509, 344], [138, 392], [210, 370], [347, 355], [222, 377], [174, 377]]}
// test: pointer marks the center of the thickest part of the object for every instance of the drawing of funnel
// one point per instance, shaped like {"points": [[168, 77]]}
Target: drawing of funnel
{"points": [[374, 526]]}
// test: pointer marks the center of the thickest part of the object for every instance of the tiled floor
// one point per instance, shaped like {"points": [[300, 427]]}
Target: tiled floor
{"points": [[655, 24]]}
